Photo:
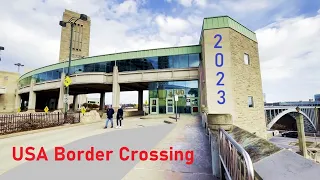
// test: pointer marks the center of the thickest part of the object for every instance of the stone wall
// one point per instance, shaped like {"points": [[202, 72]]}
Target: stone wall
{"points": [[92, 116], [8, 80], [225, 70], [247, 82], [84, 38]]}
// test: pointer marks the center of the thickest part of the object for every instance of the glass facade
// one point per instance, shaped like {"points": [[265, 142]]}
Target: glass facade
{"points": [[149, 63], [164, 93]]}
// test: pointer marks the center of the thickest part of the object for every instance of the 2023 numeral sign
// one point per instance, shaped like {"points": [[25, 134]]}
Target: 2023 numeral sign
{"points": [[219, 63]]}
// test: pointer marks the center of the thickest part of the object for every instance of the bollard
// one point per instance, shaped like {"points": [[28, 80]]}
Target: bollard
{"points": [[301, 135]]}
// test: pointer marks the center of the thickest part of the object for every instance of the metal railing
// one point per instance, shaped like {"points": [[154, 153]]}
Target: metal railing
{"points": [[235, 162], [12, 123]]}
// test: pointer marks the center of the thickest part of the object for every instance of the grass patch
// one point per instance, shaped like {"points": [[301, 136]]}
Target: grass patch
{"points": [[308, 143]]}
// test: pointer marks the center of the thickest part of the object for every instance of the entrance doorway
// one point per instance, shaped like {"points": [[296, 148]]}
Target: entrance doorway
{"points": [[169, 106], [194, 105], [154, 106]]}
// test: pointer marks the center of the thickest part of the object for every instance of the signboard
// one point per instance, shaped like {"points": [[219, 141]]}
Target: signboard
{"points": [[83, 110], [176, 98], [46, 109], [65, 98], [188, 101], [67, 81], [19, 110], [179, 92], [173, 92]]}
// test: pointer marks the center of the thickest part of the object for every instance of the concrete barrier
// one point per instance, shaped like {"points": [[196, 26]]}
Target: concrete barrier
{"points": [[89, 117]]}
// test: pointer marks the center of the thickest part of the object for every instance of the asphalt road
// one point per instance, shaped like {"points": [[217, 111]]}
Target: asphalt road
{"points": [[135, 139]]}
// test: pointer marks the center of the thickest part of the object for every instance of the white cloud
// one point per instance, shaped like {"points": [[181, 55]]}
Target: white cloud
{"points": [[246, 5], [289, 55], [172, 25], [127, 7], [289, 48], [189, 3], [201, 3]]}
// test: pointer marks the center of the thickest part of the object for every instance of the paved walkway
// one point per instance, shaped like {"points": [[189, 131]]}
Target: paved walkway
{"points": [[136, 134], [59, 137], [188, 134]]}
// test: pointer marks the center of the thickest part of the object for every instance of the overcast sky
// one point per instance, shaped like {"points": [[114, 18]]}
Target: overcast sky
{"points": [[288, 34]]}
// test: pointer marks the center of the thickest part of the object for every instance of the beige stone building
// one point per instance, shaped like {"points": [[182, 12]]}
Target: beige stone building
{"points": [[221, 73], [80, 43], [81, 37], [8, 87], [231, 82]]}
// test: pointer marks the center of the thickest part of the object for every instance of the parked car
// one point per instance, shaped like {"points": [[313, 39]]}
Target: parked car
{"points": [[292, 134]]}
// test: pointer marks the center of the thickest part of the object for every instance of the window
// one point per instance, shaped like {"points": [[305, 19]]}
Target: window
{"points": [[250, 101], [194, 60], [246, 59]]}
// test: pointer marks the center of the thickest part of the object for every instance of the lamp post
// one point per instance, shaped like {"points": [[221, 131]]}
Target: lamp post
{"points": [[19, 64], [72, 22], [1, 49]]}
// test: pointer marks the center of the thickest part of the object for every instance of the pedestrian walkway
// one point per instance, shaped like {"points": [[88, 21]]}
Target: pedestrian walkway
{"points": [[187, 135], [49, 138]]}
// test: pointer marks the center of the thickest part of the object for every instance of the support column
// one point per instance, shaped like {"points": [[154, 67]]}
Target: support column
{"points": [[32, 97], [301, 135], [102, 100], [61, 93], [115, 89], [140, 100], [75, 102], [17, 101]]}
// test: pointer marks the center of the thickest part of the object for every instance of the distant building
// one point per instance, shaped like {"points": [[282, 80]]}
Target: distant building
{"points": [[80, 43], [81, 38], [8, 87], [317, 97]]}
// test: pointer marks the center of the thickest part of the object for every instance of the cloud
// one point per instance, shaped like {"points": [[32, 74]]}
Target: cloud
{"points": [[189, 3], [127, 7], [289, 55], [288, 46], [172, 25]]}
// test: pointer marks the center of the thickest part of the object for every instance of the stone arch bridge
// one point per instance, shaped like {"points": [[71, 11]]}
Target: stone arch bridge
{"points": [[310, 115]]}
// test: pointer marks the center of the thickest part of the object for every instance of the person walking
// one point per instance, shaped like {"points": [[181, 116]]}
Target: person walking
{"points": [[119, 117], [109, 113]]}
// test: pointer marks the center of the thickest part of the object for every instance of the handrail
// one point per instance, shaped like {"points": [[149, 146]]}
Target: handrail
{"points": [[231, 156]]}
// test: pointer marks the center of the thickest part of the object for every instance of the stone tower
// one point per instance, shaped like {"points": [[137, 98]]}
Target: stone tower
{"points": [[81, 37], [230, 77]]}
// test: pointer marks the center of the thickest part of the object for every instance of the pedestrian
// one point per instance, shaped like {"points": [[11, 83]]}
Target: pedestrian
{"points": [[119, 117], [109, 113]]}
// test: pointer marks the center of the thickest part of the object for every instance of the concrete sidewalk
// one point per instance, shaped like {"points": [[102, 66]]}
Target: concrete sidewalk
{"points": [[187, 135], [61, 136]]}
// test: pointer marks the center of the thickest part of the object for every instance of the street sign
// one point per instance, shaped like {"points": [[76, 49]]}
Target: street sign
{"points": [[67, 81], [19, 110], [46, 109], [65, 98], [176, 98], [83, 110], [188, 101]]}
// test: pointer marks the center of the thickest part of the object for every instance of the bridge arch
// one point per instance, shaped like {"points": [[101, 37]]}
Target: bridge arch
{"points": [[280, 115]]}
